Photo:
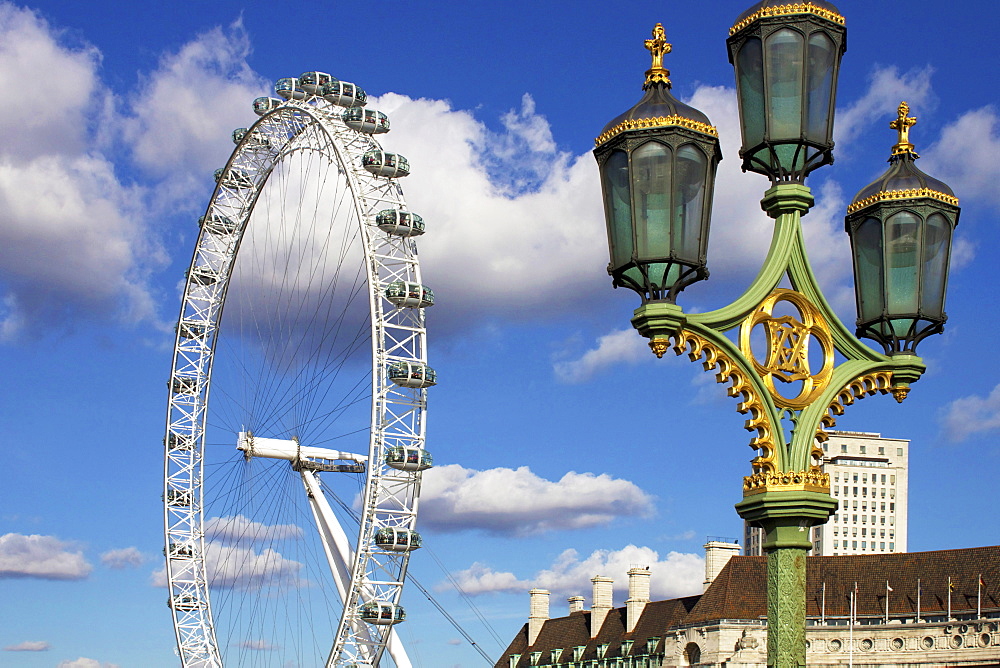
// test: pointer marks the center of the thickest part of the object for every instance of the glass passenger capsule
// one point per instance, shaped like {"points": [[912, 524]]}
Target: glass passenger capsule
{"points": [[203, 276], [403, 458], [412, 374], [344, 94], [183, 602], [190, 330], [313, 82], [289, 89], [178, 442], [369, 121], [383, 163], [405, 293], [179, 551], [262, 105], [217, 224], [255, 140], [382, 613], [178, 497], [400, 223], [233, 177], [181, 385], [398, 540]]}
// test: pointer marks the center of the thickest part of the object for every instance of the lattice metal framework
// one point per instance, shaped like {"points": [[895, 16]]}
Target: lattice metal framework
{"points": [[397, 413]]}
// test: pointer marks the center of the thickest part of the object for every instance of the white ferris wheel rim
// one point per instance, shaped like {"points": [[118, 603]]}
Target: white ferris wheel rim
{"points": [[397, 413]]}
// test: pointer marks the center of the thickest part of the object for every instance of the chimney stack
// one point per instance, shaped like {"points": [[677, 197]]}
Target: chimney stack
{"points": [[717, 555], [638, 596], [538, 613], [575, 604], [601, 603]]}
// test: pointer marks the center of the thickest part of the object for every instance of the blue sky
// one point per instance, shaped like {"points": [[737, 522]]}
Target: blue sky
{"points": [[117, 113]]}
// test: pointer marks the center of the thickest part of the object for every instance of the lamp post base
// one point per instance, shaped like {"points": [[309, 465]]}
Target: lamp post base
{"points": [[786, 517]]}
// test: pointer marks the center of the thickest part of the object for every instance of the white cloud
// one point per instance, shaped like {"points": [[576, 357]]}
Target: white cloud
{"points": [[965, 155], [971, 415], [28, 646], [886, 89], [71, 238], [41, 557], [128, 557], [184, 113], [514, 226], [237, 528], [235, 567], [258, 645], [678, 574], [518, 502], [621, 346], [85, 663]]}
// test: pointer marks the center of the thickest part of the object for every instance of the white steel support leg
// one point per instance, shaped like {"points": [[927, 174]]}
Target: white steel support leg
{"points": [[340, 556]]}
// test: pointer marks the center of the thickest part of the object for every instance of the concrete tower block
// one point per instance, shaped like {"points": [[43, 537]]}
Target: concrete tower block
{"points": [[717, 555], [538, 613], [638, 596], [575, 604], [602, 603]]}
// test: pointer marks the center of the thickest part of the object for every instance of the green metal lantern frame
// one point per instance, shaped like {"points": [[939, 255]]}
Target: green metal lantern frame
{"points": [[789, 155], [899, 331], [658, 276]]}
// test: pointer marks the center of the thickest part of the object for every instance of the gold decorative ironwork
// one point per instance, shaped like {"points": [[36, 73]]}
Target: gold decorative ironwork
{"points": [[657, 122], [752, 403], [808, 481], [786, 10], [788, 347], [657, 47], [877, 382], [910, 193], [902, 125]]}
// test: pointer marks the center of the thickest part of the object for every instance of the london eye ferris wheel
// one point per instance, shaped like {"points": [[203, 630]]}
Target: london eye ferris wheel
{"points": [[290, 498]]}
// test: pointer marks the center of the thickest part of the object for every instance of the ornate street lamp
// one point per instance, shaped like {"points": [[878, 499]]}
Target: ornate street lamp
{"points": [[658, 162], [787, 58], [901, 228], [657, 202]]}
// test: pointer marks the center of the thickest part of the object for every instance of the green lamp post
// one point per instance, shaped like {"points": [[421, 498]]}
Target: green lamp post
{"points": [[657, 164]]}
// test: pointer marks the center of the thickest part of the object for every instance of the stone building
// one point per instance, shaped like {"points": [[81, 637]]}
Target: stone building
{"points": [[868, 476], [919, 609]]}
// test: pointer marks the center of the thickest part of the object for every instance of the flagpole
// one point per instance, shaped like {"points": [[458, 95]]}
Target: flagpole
{"points": [[822, 607], [949, 598], [854, 614], [887, 590], [979, 597], [918, 600]]}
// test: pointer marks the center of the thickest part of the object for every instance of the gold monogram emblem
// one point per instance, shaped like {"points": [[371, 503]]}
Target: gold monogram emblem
{"points": [[787, 341]]}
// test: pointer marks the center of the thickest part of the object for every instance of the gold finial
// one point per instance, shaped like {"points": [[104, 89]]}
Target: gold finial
{"points": [[902, 125], [657, 46], [659, 346]]}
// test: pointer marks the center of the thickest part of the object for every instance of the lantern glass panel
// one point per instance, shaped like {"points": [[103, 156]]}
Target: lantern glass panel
{"points": [[868, 252], [937, 233], [820, 82], [750, 63], [651, 167], [689, 202], [784, 75], [619, 210], [902, 243]]}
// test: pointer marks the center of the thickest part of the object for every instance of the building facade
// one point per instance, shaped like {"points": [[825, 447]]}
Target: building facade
{"points": [[913, 610], [868, 476]]}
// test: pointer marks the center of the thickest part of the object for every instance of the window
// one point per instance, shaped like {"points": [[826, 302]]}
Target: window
{"points": [[854, 544], [855, 504], [881, 450], [843, 448], [882, 519], [899, 452], [864, 544], [855, 489], [824, 447], [883, 478], [883, 506], [892, 534], [864, 532], [892, 546], [881, 546], [864, 477], [578, 652], [864, 491], [854, 519], [892, 521], [855, 480], [892, 507], [836, 476], [836, 544], [892, 480], [862, 449], [883, 491]]}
